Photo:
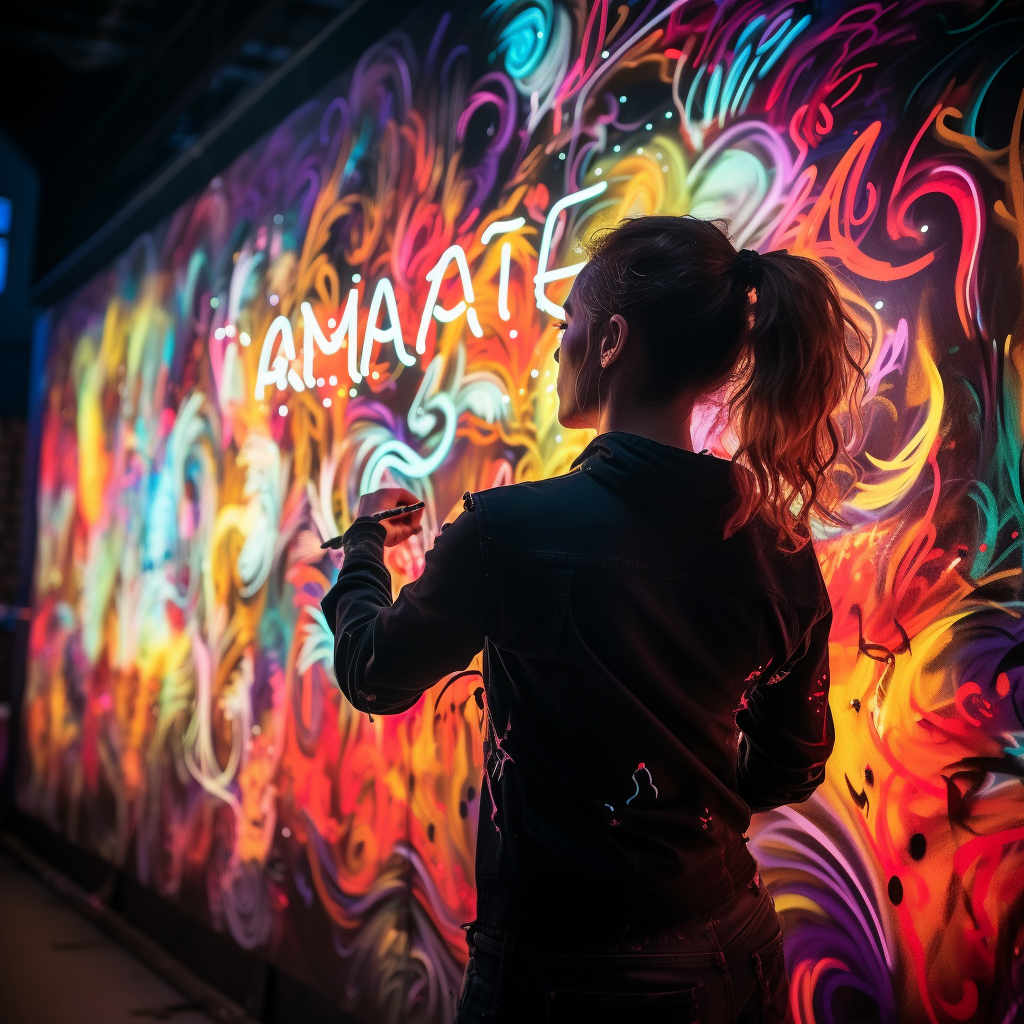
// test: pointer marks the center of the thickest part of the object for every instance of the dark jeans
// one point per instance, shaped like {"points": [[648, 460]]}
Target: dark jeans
{"points": [[724, 967]]}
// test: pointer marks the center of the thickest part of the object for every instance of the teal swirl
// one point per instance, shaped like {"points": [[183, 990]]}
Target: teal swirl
{"points": [[525, 38]]}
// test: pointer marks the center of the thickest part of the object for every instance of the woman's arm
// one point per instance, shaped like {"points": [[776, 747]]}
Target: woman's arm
{"points": [[786, 728], [386, 655]]}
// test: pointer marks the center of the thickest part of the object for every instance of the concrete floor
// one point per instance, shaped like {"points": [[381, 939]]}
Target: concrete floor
{"points": [[57, 968]]}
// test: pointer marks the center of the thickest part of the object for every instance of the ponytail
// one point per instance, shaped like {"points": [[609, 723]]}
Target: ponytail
{"points": [[770, 331], [796, 378]]}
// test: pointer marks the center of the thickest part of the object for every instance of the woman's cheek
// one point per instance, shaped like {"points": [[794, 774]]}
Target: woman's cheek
{"points": [[559, 391], [563, 391], [562, 369]]}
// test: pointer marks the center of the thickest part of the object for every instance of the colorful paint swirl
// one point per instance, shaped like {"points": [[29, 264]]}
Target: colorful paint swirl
{"points": [[366, 297]]}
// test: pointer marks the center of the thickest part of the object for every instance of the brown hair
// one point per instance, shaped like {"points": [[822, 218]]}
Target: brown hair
{"points": [[770, 329]]}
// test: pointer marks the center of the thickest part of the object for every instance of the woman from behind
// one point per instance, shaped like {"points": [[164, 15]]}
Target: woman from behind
{"points": [[655, 635]]}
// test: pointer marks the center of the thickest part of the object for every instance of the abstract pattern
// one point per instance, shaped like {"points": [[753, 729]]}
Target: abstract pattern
{"points": [[366, 297]]}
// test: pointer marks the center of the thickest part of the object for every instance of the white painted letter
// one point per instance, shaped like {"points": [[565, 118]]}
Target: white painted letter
{"points": [[346, 334], [446, 316], [500, 227], [281, 373], [383, 293], [314, 334], [544, 276]]}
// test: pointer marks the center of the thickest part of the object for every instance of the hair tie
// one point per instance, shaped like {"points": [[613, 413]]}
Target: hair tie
{"points": [[747, 268]]}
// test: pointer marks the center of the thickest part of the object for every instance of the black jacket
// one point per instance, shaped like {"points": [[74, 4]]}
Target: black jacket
{"points": [[648, 683]]}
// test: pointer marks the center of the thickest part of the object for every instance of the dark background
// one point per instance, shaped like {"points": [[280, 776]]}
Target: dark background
{"points": [[105, 94]]}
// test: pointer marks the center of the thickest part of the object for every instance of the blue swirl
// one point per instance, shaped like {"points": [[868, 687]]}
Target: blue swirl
{"points": [[524, 40]]}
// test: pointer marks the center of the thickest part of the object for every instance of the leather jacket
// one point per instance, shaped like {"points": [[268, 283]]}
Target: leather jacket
{"points": [[648, 682]]}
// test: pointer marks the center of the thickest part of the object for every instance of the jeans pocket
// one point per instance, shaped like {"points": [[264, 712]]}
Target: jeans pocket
{"points": [[466, 1008], [676, 1006], [770, 965], [467, 982]]}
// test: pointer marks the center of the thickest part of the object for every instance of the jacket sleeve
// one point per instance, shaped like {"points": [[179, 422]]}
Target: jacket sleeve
{"points": [[787, 733], [386, 655]]}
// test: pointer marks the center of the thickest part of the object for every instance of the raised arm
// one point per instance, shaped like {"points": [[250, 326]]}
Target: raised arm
{"points": [[386, 655], [786, 727]]}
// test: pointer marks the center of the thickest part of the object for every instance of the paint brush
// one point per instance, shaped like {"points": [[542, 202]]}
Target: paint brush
{"points": [[391, 513]]}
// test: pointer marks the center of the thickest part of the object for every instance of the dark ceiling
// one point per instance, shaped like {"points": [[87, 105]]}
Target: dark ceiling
{"points": [[102, 95]]}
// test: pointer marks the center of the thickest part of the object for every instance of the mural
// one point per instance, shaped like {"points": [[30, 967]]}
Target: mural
{"points": [[368, 296]]}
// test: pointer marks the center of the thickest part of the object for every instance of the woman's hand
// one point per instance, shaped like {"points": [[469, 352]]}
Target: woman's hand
{"points": [[399, 528]]}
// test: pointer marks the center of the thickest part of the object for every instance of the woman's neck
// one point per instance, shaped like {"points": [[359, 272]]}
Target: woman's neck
{"points": [[668, 423]]}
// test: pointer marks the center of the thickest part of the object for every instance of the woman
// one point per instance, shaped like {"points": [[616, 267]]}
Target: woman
{"points": [[655, 634]]}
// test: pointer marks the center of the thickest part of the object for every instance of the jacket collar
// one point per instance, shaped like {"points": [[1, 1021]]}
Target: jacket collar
{"points": [[650, 473]]}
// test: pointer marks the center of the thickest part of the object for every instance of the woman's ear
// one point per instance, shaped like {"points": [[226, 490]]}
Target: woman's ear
{"points": [[613, 340]]}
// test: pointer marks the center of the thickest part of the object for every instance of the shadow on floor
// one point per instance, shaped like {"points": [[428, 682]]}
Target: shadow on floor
{"points": [[57, 968]]}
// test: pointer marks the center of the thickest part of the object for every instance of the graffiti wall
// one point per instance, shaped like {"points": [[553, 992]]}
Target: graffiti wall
{"points": [[368, 296]]}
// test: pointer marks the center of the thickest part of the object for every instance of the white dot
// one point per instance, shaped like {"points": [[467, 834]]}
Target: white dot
{"points": [[622, 99], [648, 126], [505, 398], [604, 54], [352, 392], [286, 832], [924, 227], [282, 410], [332, 380], [219, 334], [540, 35], [356, 279], [522, 391], [327, 403], [320, 382], [332, 322], [668, 113], [256, 730], [550, 388], [375, 375], [278, 219], [244, 338], [274, 300], [513, 333], [230, 330], [878, 304], [561, 156], [616, 149], [535, 373], [665, 168], [558, 438], [597, 171], [214, 302]]}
